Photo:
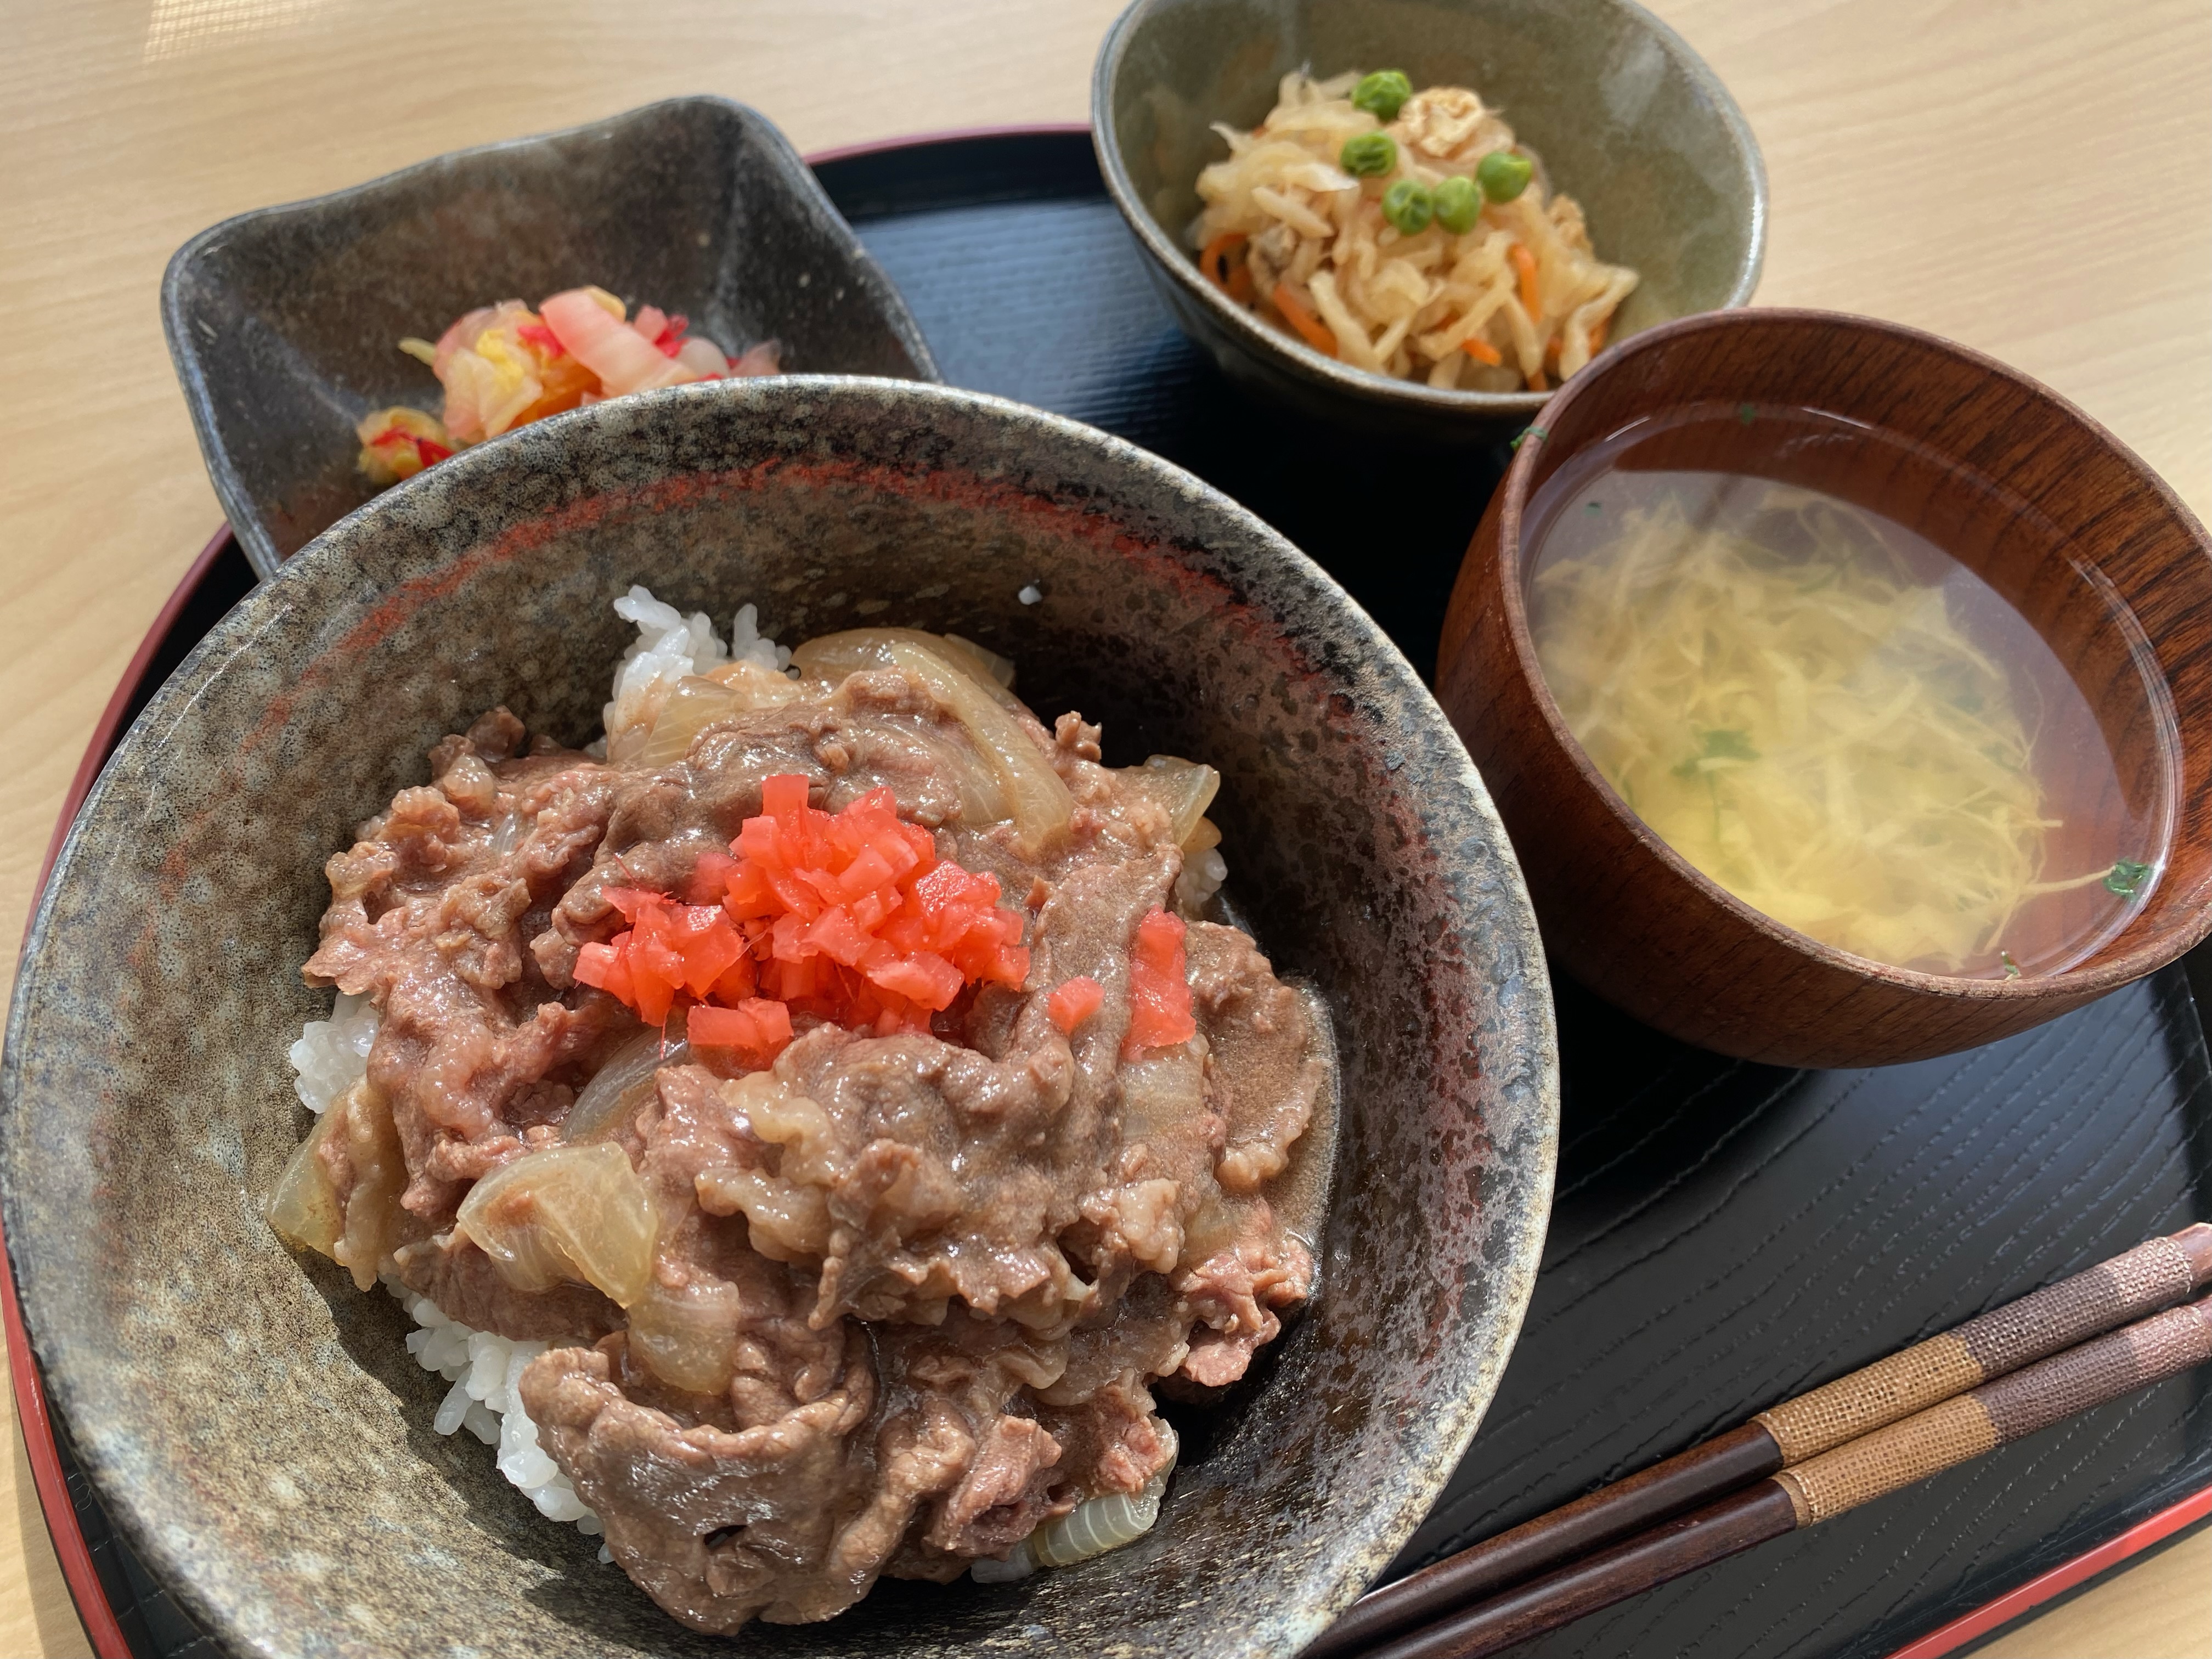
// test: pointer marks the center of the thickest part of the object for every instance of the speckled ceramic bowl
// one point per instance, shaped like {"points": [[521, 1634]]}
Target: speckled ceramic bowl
{"points": [[284, 322], [1629, 121], [253, 1424]]}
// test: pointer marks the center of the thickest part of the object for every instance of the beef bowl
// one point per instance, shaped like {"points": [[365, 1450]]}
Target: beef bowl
{"points": [[866, 1363]]}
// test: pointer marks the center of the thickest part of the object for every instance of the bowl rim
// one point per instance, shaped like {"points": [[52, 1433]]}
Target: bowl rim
{"points": [[1513, 490], [1457, 1412], [1366, 383], [186, 353]]}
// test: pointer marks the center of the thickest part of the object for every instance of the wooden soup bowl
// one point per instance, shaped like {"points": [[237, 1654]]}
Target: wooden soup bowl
{"points": [[1634, 920]]}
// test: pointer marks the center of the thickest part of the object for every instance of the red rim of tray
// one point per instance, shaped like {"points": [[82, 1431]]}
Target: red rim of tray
{"points": [[84, 1579]]}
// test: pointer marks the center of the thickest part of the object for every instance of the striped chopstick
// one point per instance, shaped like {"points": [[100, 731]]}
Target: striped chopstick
{"points": [[2156, 1274], [1955, 1432]]}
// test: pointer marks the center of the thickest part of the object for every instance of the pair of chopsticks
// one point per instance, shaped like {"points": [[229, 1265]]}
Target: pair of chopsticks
{"points": [[1995, 1379]]}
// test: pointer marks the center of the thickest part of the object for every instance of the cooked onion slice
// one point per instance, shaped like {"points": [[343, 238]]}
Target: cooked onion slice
{"points": [[566, 1213], [1039, 801], [1186, 788], [699, 701], [987, 668], [1000, 669], [620, 1085], [1091, 1527], [304, 1207], [373, 1216], [687, 1335]]}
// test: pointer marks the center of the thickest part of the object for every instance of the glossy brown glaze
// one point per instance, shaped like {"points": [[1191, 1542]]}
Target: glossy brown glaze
{"points": [[1634, 920], [1643, 1499], [1666, 1552]]}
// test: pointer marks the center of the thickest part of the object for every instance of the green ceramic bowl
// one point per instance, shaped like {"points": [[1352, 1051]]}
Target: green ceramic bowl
{"points": [[1629, 121]]}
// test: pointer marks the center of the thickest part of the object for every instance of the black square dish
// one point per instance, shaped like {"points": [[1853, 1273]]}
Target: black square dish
{"points": [[284, 322]]}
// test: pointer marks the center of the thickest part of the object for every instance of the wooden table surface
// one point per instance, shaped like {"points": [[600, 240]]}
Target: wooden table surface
{"points": [[2032, 177]]}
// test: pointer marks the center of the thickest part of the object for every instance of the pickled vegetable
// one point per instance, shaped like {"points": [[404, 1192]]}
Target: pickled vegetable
{"points": [[757, 1028], [850, 917], [1159, 993], [398, 442], [1074, 1001]]}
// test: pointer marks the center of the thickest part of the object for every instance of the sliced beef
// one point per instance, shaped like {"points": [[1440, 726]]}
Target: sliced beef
{"points": [[1265, 1063], [461, 1279], [786, 1520], [908, 1296]]}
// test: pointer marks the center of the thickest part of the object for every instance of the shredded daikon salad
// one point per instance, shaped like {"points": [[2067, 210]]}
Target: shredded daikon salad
{"points": [[1408, 234], [1807, 727], [504, 364]]}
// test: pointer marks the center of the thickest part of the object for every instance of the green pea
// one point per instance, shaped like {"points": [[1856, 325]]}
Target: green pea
{"points": [[1458, 202], [1503, 175], [1383, 94], [1369, 156], [1408, 205]]}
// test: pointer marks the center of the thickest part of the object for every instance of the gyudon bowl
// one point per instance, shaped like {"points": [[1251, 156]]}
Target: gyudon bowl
{"points": [[256, 1425]]}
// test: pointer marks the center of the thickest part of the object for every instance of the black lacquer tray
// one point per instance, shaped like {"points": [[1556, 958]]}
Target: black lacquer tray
{"points": [[1725, 1234]]}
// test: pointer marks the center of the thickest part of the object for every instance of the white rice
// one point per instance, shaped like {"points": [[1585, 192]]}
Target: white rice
{"points": [[332, 1055], [486, 1370], [671, 644], [486, 1400], [1201, 879]]}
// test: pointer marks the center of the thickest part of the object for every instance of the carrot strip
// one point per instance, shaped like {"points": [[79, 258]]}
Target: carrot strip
{"points": [[1481, 350], [1538, 383], [1525, 263], [1598, 334], [1294, 310], [1214, 258]]}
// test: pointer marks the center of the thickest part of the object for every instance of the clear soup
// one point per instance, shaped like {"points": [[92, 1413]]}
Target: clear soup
{"points": [[1855, 730]]}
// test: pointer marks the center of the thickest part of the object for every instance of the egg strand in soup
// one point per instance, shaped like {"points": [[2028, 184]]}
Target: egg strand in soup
{"points": [[1771, 680]]}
